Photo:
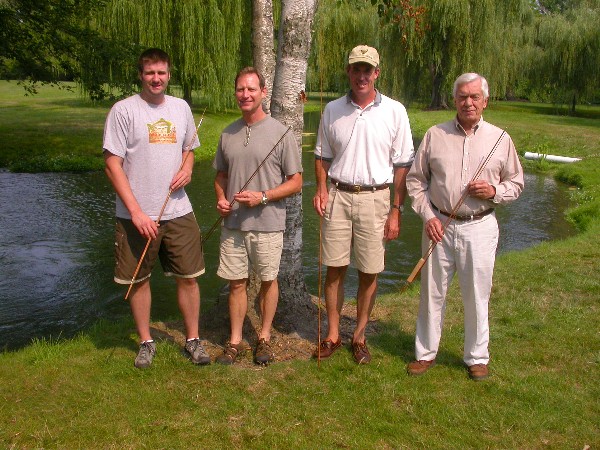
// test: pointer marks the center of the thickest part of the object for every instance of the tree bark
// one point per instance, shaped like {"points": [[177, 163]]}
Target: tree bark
{"points": [[438, 99], [296, 312], [263, 52]]}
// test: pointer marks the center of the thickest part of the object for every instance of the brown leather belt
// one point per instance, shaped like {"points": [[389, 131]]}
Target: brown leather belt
{"points": [[356, 188], [478, 216]]}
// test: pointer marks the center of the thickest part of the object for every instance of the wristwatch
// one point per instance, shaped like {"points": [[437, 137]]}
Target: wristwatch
{"points": [[264, 199], [399, 208]]}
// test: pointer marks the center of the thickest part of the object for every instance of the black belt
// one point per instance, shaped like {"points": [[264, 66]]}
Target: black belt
{"points": [[356, 188], [465, 218]]}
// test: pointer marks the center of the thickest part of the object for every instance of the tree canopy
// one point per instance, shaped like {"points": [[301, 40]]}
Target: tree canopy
{"points": [[539, 49], [569, 48]]}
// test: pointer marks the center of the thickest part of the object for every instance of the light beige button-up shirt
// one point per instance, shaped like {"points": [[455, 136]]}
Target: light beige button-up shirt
{"points": [[448, 159]]}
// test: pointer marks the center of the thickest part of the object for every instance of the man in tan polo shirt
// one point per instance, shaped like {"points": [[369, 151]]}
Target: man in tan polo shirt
{"points": [[447, 160]]}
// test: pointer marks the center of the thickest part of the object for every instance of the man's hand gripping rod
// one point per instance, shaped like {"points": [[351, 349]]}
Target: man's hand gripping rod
{"points": [[216, 224], [432, 244]]}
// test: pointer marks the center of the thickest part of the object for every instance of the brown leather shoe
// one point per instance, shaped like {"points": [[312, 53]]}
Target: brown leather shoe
{"points": [[361, 353], [416, 368], [263, 355], [478, 372], [327, 348], [231, 353]]}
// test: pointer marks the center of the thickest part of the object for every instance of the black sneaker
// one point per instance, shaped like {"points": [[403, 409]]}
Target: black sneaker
{"points": [[145, 354], [263, 355], [196, 352]]}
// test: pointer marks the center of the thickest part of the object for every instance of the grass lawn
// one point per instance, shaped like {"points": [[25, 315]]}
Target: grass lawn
{"points": [[544, 391]]}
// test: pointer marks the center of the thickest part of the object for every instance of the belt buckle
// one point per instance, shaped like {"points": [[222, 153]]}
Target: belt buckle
{"points": [[356, 188]]}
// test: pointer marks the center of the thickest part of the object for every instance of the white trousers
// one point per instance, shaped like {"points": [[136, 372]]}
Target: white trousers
{"points": [[468, 249]]}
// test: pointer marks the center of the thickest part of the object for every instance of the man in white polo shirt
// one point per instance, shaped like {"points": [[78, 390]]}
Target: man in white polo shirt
{"points": [[364, 144]]}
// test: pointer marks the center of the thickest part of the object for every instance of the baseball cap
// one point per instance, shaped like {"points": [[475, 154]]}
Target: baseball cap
{"points": [[364, 53]]}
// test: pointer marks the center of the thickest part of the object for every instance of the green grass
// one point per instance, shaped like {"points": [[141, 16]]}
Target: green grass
{"points": [[544, 391], [545, 341], [59, 131]]}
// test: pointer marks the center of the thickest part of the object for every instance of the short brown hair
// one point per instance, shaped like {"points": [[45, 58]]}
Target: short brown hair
{"points": [[248, 71], [153, 55]]}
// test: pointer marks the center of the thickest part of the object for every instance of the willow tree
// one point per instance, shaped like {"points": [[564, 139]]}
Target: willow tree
{"points": [[52, 41], [569, 63], [339, 26], [444, 38], [208, 40]]}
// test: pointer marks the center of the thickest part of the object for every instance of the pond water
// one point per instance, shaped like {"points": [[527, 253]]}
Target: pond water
{"points": [[56, 244]]}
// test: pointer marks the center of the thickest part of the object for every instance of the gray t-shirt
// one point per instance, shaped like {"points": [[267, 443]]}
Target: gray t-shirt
{"points": [[150, 139], [240, 161]]}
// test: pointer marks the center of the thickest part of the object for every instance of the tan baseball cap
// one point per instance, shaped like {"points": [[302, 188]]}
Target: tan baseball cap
{"points": [[364, 53]]}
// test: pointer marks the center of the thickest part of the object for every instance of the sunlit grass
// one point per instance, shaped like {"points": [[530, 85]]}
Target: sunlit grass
{"points": [[545, 340]]}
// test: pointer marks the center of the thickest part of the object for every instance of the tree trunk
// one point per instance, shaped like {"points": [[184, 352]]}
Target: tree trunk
{"points": [[438, 99], [263, 53], [296, 312], [187, 93]]}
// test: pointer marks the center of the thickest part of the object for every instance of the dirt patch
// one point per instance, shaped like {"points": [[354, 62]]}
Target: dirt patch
{"points": [[285, 346]]}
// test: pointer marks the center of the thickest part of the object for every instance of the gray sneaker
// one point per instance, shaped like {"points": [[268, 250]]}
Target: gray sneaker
{"points": [[145, 354], [196, 352]]}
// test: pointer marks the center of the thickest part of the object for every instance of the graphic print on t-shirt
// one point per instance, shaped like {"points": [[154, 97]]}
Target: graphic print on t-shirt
{"points": [[162, 132]]}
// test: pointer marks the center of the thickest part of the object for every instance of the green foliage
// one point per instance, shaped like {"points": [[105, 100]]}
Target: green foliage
{"points": [[569, 59], [339, 26], [586, 198], [45, 42], [208, 41], [426, 44], [545, 50]]}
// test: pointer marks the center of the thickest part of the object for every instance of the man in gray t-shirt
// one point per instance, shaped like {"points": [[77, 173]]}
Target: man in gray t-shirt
{"points": [[148, 143], [254, 214]]}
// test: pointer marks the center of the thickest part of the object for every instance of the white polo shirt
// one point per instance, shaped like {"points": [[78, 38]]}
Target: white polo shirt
{"points": [[364, 145]]}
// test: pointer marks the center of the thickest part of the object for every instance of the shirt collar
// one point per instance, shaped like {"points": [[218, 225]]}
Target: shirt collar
{"points": [[376, 102], [460, 128]]}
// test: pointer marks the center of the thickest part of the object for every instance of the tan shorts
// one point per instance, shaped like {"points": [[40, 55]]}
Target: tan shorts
{"points": [[355, 223], [178, 246], [240, 249]]}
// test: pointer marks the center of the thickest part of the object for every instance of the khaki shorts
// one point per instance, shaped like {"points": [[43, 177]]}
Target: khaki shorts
{"points": [[355, 223], [240, 249], [178, 246]]}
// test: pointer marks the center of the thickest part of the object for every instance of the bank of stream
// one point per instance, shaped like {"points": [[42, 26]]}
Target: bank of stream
{"points": [[57, 235]]}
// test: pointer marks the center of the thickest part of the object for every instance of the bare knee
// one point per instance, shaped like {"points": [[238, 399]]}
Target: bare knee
{"points": [[335, 274]]}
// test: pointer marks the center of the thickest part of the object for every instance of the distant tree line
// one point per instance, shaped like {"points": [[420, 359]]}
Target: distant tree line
{"points": [[543, 50]]}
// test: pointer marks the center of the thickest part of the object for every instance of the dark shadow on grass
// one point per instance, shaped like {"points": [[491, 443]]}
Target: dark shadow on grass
{"points": [[401, 345]]}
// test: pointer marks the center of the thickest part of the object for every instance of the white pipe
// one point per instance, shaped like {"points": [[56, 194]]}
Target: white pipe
{"points": [[551, 158]]}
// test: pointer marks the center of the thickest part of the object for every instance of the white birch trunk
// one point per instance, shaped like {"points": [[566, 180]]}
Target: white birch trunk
{"points": [[263, 42], [295, 311]]}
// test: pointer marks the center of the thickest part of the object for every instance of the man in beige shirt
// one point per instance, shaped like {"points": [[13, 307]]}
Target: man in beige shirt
{"points": [[446, 167]]}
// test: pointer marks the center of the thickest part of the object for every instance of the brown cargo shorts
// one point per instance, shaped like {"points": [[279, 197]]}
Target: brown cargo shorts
{"points": [[178, 246]]}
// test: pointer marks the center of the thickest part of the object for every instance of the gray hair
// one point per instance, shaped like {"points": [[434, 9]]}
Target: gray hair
{"points": [[467, 78]]}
